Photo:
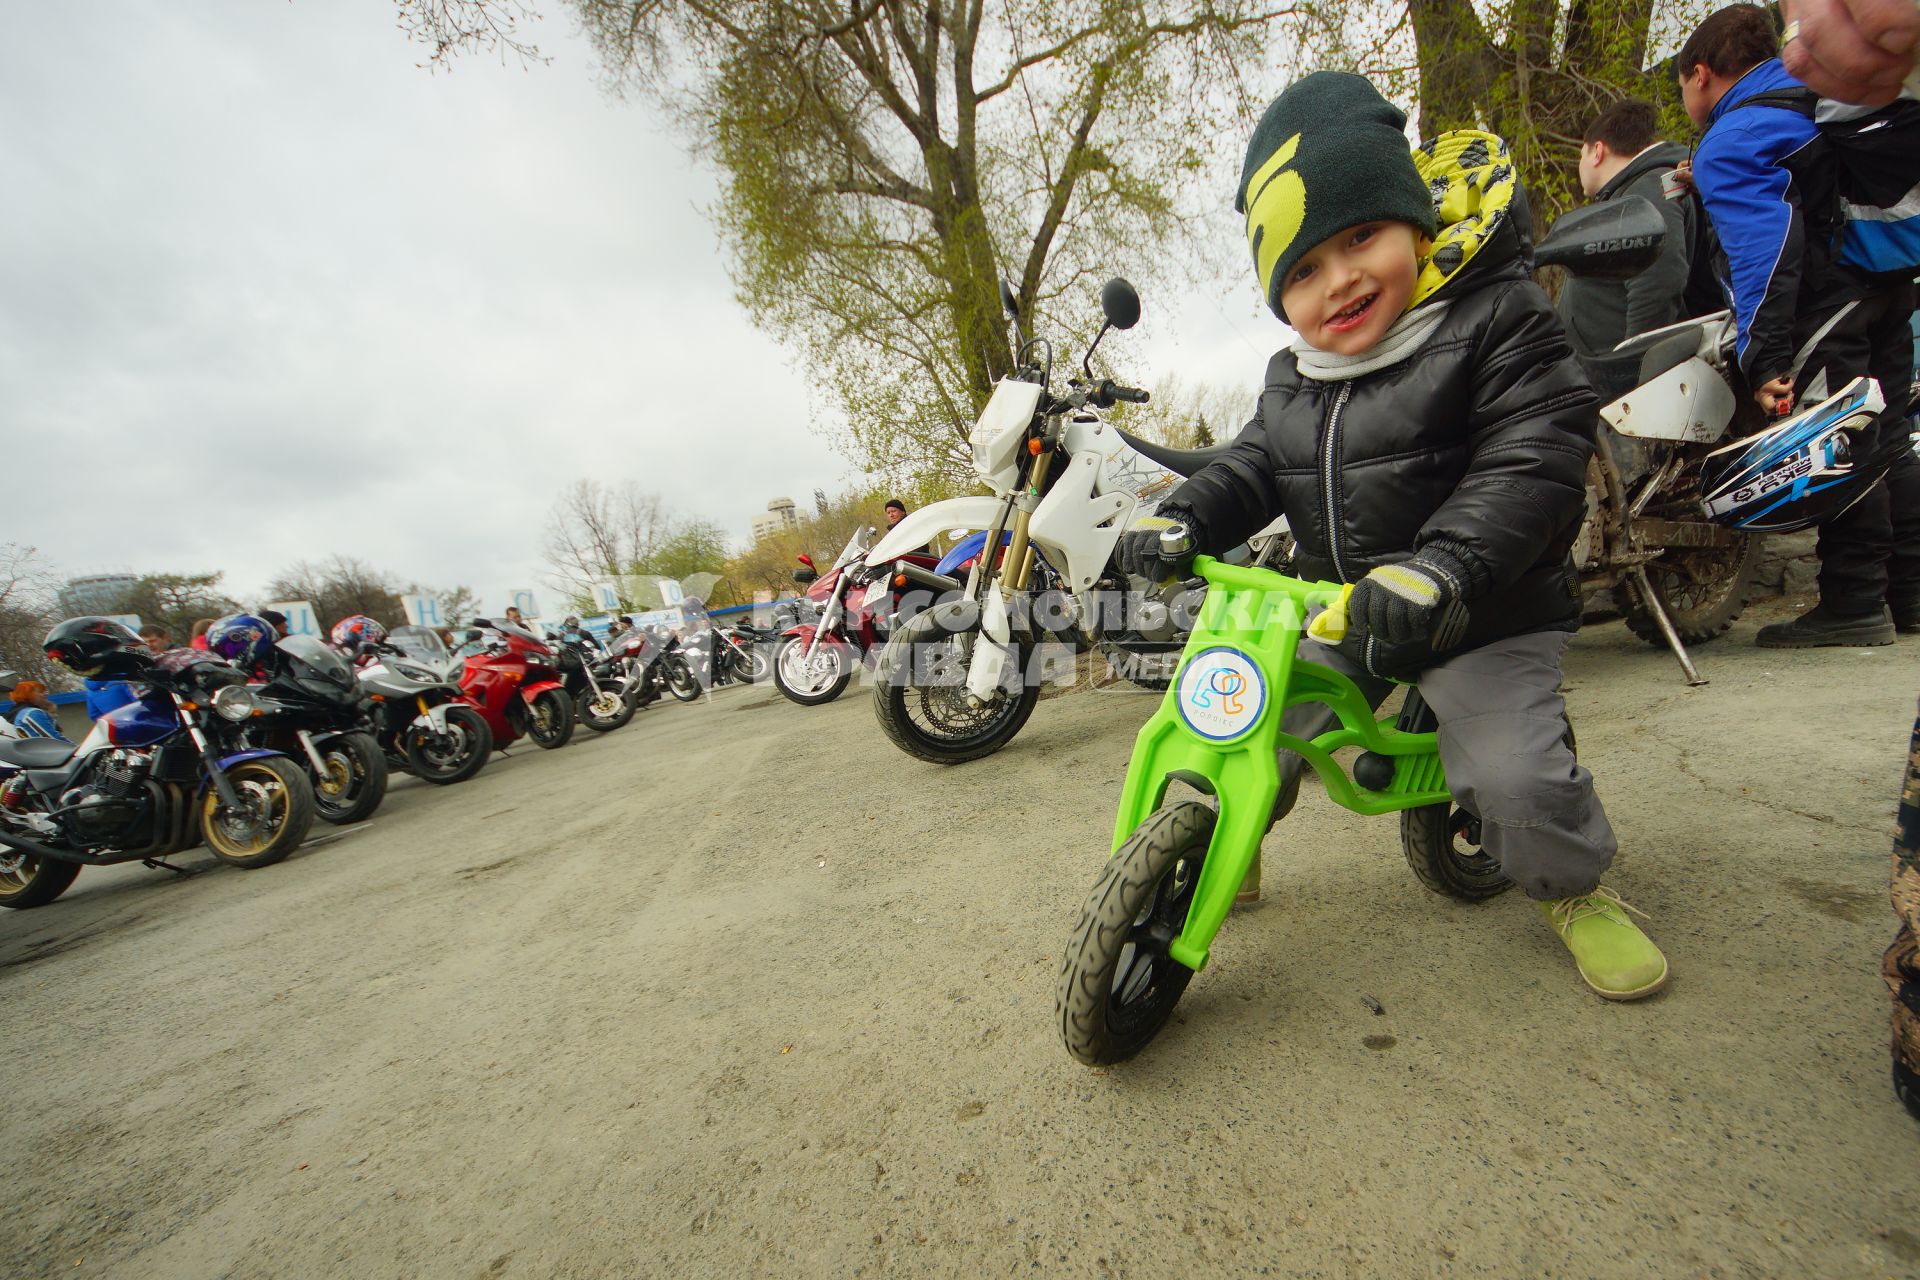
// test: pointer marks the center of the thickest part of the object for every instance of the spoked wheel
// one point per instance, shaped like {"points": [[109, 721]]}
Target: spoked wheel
{"points": [[273, 817], [550, 719], [812, 681], [453, 756], [681, 682], [1703, 589], [27, 881], [606, 711], [921, 699], [355, 781], [1118, 985], [1442, 844]]}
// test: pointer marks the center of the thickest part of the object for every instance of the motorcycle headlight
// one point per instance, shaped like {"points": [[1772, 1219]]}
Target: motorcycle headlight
{"points": [[235, 702]]}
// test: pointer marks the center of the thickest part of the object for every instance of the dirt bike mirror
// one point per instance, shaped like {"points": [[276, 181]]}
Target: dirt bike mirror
{"points": [[1120, 303], [1609, 241], [1009, 303]]}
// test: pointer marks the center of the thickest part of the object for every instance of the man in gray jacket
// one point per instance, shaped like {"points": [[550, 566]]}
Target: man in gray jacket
{"points": [[1624, 156]]}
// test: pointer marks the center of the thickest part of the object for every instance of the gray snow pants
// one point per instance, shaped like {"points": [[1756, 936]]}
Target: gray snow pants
{"points": [[1504, 744]]}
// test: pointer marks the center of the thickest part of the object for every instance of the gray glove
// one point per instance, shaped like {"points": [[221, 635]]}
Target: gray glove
{"points": [[1415, 600]]}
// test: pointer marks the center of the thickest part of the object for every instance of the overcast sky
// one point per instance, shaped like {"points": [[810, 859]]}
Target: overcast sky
{"points": [[271, 291]]}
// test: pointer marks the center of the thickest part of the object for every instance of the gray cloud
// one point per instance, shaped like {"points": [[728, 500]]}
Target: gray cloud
{"points": [[272, 291]]}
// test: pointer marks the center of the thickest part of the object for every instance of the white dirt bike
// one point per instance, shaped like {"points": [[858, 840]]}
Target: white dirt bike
{"points": [[959, 680]]}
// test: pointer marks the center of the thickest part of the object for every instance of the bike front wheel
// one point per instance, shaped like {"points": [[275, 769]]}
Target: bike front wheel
{"points": [[1117, 983], [355, 781], [550, 719], [920, 693]]}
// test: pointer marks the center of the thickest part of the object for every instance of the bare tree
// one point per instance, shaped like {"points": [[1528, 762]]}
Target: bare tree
{"points": [[451, 27], [26, 611], [597, 531], [884, 164]]}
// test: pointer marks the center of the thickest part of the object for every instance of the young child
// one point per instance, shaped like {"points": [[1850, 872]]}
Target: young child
{"points": [[1427, 439]]}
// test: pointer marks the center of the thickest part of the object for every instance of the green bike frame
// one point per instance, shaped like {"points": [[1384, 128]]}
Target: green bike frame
{"points": [[1209, 735]]}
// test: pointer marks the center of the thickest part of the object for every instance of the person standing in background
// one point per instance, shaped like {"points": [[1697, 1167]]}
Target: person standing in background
{"points": [[32, 713]]}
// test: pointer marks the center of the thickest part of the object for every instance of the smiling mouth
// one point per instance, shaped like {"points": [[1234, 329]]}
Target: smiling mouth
{"points": [[1348, 317]]}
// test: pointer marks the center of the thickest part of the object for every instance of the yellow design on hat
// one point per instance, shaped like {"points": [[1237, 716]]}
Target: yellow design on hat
{"points": [[1276, 206]]}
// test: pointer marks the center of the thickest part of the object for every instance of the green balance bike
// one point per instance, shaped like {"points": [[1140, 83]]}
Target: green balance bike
{"points": [[1176, 868]]}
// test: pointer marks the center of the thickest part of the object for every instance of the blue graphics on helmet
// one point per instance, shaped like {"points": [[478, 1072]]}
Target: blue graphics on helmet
{"points": [[1799, 473], [241, 638]]}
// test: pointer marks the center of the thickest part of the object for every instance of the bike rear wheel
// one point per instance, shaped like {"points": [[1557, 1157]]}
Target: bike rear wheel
{"points": [[1118, 985]]}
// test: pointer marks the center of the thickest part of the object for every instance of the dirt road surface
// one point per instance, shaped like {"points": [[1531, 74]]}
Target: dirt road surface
{"points": [[739, 990]]}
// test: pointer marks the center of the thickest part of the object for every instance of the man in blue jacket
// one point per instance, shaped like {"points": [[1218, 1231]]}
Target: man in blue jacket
{"points": [[1807, 324]]}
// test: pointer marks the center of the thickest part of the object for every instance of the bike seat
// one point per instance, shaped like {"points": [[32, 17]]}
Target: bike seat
{"points": [[34, 753], [1182, 462], [1667, 354]]}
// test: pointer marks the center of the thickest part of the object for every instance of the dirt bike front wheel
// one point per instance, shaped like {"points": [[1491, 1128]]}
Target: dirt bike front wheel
{"points": [[921, 700], [1117, 983]]}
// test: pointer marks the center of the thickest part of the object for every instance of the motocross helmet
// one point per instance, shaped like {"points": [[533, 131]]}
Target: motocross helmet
{"points": [[242, 638], [98, 649], [351, 633], [1799, 473]]}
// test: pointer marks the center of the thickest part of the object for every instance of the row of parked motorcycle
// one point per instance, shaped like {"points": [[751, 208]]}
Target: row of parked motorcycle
{"points": [[241, 745], [1680, 490]]}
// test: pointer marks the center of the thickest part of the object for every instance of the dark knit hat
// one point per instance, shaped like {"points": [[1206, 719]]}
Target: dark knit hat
{"points": [[1329, 153]]}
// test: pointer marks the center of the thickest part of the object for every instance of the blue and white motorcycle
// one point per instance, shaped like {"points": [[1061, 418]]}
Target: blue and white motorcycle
{"points": [[155, 777]]}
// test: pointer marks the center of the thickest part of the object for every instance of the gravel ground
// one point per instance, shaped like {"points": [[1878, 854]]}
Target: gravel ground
{"points": [[740, 990]]}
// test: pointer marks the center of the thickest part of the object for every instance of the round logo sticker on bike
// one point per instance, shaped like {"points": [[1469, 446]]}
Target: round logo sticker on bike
{"points": [[1221, 694]]}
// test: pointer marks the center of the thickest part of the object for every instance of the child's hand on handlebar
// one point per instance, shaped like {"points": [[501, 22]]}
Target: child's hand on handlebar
{"points": [[1408, 602], [1152, 554]]}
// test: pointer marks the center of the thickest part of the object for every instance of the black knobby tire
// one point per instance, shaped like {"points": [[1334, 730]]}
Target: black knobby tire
{"points": [[811, 695], [469, 744], [27, 881], [1703, 589], [930, 719], [283, 788], [550, 719], [607, 724], [1117, 984], [1442, 841], [366, 781]]}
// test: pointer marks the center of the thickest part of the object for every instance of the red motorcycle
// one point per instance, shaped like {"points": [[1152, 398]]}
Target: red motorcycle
{"points": [[514, 681], [858, 607]]}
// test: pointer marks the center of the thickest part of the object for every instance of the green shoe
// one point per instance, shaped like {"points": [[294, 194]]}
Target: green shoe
{"points": [[1614, 958]]}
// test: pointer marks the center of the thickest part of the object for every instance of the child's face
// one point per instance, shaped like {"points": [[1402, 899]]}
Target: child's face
{"points": [[1348, 290]]}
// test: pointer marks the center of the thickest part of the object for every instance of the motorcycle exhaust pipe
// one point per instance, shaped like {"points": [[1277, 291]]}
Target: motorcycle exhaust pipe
{"points": [[923, 577], [47, 853]]}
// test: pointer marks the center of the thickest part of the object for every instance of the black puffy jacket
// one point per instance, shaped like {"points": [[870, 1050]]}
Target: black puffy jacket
{"points": [[1477, 444]]}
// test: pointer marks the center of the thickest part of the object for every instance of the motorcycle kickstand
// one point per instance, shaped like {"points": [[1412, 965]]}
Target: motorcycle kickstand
{"points": [[1659, 611], [159, 864]]}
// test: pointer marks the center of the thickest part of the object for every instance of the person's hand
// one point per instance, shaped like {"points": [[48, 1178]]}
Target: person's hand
{"points": [[1405, 602], [1858, 51], [1141, 553], [1775, 398]]}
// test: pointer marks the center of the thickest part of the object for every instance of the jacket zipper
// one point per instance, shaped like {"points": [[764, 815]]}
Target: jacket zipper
{"points": [[1330, 477]]}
